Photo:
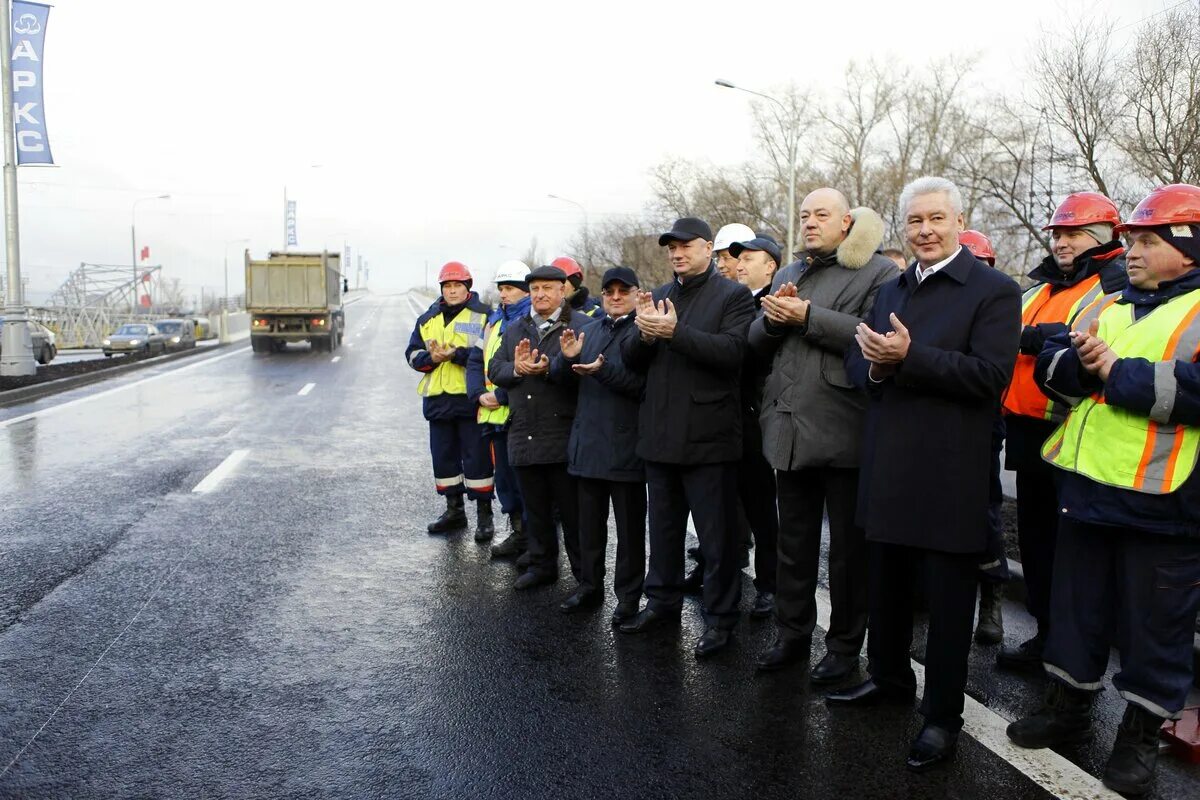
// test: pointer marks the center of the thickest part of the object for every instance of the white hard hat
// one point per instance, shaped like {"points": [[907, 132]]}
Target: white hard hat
{"points": [[512, 272], [736, 232]]}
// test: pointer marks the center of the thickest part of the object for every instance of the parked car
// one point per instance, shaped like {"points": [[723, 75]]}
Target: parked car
{"points": [[180, 333], [135, 338], [45, 346]]}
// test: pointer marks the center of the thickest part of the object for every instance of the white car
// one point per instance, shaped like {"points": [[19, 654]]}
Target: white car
{"points": [[44, 341]]}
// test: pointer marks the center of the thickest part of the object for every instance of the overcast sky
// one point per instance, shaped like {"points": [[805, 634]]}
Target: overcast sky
{"points": [[439, 128]]}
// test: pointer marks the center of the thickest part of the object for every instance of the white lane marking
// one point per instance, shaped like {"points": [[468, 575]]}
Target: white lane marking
{"points": [[77, 401], [349, 344], [1046, 768], [336, 359], [308, 387], [214, 478]]}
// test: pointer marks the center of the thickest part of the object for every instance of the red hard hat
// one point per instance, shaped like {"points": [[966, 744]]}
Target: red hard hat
{"points": [[568, 265], [1084, 208], [979, 245], [455, 271], [1177, 204]]}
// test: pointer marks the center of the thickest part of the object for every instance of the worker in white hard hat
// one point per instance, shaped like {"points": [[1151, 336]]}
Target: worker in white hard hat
{"points": [[512, 284], [734, 232]]}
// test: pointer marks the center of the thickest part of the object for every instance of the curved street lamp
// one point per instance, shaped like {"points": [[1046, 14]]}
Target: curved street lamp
{"points": [[791, 225]]}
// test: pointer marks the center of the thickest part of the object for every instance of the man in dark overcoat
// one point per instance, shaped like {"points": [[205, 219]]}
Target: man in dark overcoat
{"points": [[934, 355], [691, 344]]}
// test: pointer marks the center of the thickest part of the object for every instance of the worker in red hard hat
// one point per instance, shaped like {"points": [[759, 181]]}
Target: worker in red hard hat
{"points": [[1127, 565], [993, 567], [1086, 261], [440, 345], [579, 297]]}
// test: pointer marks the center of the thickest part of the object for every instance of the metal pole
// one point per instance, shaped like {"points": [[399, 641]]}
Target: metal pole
{"points": [[791, 232], [16, 347], [133, 259]]}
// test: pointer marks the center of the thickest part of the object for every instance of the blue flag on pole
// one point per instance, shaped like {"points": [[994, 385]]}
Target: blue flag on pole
{"points": [[29, 111], [291, 223]]}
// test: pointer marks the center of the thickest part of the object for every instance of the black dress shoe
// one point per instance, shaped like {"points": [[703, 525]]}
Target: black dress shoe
{"points": [[713, 640], [694, 553], [870, 693], [529, 579], [932, 746], [834, 667], [764, 605], [524, 560], [783, 651], [648, 618], [624, 612], [582, 600], [694, 582]]}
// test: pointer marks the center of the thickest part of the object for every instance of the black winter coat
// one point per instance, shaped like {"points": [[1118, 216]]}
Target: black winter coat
{"points": [[691, 413], [604, 437], [543, 406], [927, 444]]}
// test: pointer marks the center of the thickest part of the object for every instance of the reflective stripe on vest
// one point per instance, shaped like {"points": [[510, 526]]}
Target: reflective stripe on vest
{"points": [[1040, 304], [491, 343], [463, 331], [1117, 447]]}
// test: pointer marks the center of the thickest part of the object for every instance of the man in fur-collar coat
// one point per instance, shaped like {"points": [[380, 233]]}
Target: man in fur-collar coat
{"points": [[812, 419]]}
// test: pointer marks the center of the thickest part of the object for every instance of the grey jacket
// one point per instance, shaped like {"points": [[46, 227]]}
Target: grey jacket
{"points": [[812, 415]]}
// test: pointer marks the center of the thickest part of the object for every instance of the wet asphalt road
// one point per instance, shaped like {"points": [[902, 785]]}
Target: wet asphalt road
{"points": [[296, 633]]}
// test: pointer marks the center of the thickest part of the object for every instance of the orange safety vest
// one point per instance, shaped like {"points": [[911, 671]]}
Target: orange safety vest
{"points": [[1042, 304]]}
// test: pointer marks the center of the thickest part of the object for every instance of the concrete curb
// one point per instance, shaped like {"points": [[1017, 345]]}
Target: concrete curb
{"points": [[37, 391]]}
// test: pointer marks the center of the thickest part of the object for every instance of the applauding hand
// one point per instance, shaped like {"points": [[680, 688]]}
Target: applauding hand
{"points": [[784, 307]]}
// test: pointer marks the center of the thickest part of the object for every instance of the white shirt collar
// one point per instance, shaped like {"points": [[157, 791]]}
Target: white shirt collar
{"points": [[922, 274]]}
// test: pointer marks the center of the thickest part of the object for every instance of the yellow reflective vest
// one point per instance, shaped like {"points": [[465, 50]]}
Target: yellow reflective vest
{"points": [[491, 343], [463, 330], [1118, 447]]}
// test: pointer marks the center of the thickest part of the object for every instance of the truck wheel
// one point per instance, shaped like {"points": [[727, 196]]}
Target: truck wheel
{"points": [[44, 355], [260, 345]]}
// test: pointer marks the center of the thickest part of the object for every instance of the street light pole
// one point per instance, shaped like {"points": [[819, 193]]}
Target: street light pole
{"points": [[16, 349], [587, 242], [133, 247], [792, 148]]}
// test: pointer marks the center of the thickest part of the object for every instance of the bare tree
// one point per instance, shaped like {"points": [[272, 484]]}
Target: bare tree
{"points": [[1162, 87], [1077, 86], [533, 255]]}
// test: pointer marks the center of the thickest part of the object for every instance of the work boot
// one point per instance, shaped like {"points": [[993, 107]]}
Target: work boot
{"points": [[485, 528], [1065, 717], [455, 516], [513, 544], [1027, 656], [1130, 768], [990, 629]]}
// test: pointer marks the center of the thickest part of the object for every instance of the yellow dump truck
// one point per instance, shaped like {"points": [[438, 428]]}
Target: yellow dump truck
{"points": [[295, 297]]}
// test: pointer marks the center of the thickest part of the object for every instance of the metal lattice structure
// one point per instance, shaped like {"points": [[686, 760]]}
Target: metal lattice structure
{"points": [[95, 299]]}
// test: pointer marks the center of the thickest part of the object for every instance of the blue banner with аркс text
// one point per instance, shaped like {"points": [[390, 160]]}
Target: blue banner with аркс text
{"points": [[28, 47]]}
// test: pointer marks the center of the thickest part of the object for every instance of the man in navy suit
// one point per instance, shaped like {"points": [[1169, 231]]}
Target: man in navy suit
{"points": [[935, 355]]}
